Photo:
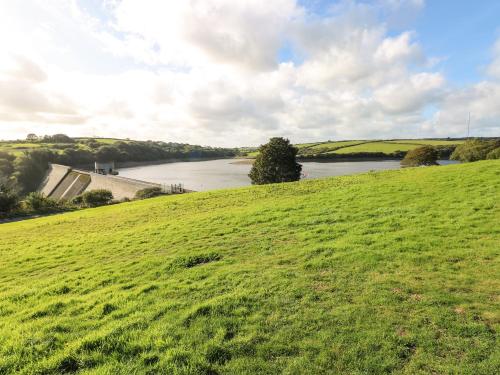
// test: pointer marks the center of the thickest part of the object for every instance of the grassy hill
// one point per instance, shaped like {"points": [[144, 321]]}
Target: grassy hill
{"points": [[319, 149], [394, 271], [18, 147], [331, 149]]}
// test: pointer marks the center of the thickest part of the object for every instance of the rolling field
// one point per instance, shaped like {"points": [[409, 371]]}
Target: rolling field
{"points": [[430, 142], [328, 146], [394, 271], [305, 149], [389, 147], [385, 147], [18, 147]]}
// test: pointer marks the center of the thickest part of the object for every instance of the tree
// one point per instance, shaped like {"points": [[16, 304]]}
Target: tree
{"points": [[425, 155], [38, 202], [474, 149], [94, 198], [494, 154], [6, 164], [30, 168], [32, 137], [58, 138], [108, 153], [276, 162], [9, 200]]}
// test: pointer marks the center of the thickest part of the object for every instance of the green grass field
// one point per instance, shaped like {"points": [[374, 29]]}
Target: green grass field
{"points": [[108, 141], [329, 146], [430, 142], [363, 146], [395, 271], [18, 147], [385, 147]]}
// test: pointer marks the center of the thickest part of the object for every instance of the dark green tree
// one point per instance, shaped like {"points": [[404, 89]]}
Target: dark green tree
{"points": [[9, 199], [6, 164], [30, 168], [494, 154], [276, 162], [425, 155], [94, 198], [474, 150], [108, 153]]}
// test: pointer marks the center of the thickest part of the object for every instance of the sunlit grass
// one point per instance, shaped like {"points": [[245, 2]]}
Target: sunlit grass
{"points": [[385, 147], [384, 272], [430, 142]]}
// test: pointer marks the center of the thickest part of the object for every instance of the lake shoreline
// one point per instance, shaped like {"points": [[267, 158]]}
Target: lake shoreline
{"points": [[217, 174], [132, 164]]}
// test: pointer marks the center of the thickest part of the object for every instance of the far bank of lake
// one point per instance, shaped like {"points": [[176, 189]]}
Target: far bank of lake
{"points": [[228, 173]]}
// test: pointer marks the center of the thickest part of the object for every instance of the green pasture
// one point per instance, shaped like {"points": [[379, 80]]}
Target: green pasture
{"points": [[430, 142], [385, 147], [387, 272]]}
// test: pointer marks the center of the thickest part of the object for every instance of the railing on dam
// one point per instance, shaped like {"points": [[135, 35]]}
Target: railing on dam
{"points": [[173, 188]]}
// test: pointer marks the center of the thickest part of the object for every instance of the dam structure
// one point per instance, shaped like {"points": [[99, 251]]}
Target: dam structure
{"points": [[64, 183]]}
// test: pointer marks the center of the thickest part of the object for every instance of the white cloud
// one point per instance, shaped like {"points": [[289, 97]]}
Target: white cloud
{"points": [[196, 32], [209, 72], [494, 68]]}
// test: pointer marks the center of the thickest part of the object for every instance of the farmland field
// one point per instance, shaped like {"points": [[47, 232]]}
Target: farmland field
{"points": [[393, 271], [431, 142], [331, 148], [385, 147], [305, 149], [327, 146]]}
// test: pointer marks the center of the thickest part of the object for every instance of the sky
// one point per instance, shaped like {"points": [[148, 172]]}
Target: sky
{"points": [[235, 73]]}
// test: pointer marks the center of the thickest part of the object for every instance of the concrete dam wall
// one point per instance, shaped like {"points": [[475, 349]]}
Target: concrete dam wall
{"points": [[64, 183]]}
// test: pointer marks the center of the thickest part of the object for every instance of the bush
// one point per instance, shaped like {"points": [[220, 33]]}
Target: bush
{"points": [[149, 193], [494, 154], [276, 162], [58, 138], [31, 167], [37, 202], [425, 155], [77, 201], [9, 200], [94, 198], [474, 149]]}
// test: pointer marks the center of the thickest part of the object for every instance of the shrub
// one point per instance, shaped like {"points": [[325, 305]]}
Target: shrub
{"points": [[37, 202], [31, 167], [6, 164], [150, 192], [94, 198], [494, 154], [276, 162], [58, 138], [9, 200], [425, 155], [473, 150], [78, 200]]}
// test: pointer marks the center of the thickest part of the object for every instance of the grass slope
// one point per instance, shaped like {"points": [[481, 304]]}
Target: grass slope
{"points": [[385, 147], [355, 147], [394, 271]]}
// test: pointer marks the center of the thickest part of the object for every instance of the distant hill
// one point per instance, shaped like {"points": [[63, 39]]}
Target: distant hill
{"points": [[87, 147], [358, 149], [390, 272]]}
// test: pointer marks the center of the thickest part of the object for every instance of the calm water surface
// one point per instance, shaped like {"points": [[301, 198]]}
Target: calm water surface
{"points": [[225, 173]]}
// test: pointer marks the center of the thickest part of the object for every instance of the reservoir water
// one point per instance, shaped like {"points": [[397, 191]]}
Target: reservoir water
{"points": [[228, 173]]}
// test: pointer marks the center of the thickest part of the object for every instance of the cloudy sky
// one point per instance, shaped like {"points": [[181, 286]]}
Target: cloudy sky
{"points": [[236, 72]]}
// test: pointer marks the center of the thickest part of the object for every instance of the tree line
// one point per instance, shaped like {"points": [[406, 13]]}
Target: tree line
{"points": [[21, 175]]}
